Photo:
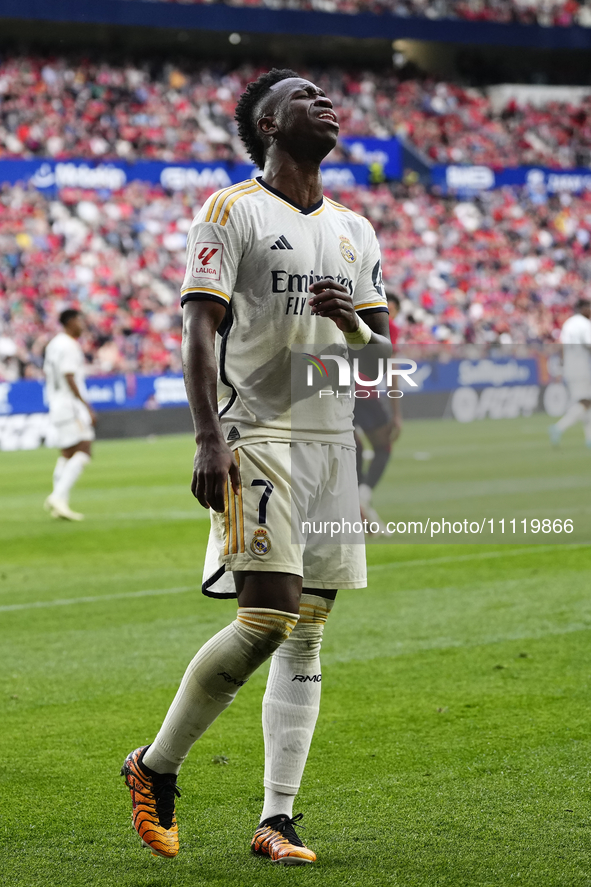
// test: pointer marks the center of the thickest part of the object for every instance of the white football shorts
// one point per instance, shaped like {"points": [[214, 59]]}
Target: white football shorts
{"points": [[297, 511], [579, 386], [72, 423]]}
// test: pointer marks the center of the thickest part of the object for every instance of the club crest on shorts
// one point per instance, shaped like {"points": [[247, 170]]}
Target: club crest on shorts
{"points": [[261, 544], [347, 249]]}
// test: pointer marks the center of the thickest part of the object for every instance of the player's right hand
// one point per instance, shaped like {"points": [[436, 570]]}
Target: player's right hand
{"points": [[212, 465]]}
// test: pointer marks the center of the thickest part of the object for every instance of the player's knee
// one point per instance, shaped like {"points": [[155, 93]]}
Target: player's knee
{"points": [[306, 638], [264, 630]]}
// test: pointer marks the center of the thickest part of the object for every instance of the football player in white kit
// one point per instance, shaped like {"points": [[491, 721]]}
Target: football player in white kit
{"points": [[575, 337], [271, 264], [69, 411]]}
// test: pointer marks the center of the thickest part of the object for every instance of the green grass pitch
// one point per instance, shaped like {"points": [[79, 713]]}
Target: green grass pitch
{"points": [[453, 742]]}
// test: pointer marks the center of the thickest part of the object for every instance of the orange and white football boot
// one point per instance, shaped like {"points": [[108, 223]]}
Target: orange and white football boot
{"points": [[152, 800], [277, 839]]}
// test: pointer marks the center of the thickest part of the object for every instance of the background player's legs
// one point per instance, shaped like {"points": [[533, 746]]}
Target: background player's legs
{"points": [[359, 457], [76, 458], [291, 704], [267, 614], [578, 412], [69, 466], [587, 424], [379, 439], [57, 471]]}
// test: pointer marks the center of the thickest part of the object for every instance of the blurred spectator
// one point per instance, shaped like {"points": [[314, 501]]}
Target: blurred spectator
{"points": [[64, 107], [503, 267], [560, 13]]}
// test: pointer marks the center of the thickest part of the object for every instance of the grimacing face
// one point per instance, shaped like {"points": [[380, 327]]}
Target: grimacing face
{"points": [[300, 112]]}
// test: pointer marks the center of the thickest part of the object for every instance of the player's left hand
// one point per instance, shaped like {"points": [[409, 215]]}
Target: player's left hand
{"points": [[332, 299]]}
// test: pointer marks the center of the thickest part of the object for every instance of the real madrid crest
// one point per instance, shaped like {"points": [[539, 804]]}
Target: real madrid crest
{"points": [[347, 249], [261, 544]]}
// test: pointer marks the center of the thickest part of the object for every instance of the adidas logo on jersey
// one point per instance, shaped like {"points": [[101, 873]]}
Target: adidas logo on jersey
{"points": [[233, 434], [282, 243]]}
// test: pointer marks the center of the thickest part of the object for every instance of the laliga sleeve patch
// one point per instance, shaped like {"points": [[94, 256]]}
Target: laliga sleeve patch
{"points": [[207, 260]]}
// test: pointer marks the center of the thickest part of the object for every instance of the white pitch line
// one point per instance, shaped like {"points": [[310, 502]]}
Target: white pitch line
{"points": [[480, 556], [152, 592], [66, 602]]}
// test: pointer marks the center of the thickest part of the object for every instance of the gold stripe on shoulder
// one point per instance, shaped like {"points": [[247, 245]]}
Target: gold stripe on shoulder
{"points": [[237, 189], [230, 203], [214, 199], [221, 196], [338, 206], [345, 209]]}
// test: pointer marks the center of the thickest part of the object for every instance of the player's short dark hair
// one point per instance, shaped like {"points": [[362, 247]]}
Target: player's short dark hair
{"points": [[392, 297], [245, 110], [68, 315], [582, 304]]}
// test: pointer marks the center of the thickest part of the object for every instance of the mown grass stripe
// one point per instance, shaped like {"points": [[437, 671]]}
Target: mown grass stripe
{"points": [[423, 562], [480, 556], [65, 602]]}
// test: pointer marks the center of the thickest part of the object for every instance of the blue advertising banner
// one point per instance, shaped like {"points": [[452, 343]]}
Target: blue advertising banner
{"points": [[51, 175], [129, 392], [369, 150], [485, 372], [540, 180], [134, 392]]}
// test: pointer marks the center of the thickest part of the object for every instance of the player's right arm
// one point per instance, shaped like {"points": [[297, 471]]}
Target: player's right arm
{"points": [[213, 251], [214, 459], [71, 381]]}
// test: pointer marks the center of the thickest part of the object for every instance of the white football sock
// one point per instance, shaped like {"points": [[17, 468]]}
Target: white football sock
{"points": [[71, 471], [364, 494], [57, 471], [291, 704], [573, 415], [213, 679]]}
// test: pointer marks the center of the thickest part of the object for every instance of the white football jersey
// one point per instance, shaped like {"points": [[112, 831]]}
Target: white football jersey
{"points": [[254, 251], [63, 356], [575, 335], [576, 331]]}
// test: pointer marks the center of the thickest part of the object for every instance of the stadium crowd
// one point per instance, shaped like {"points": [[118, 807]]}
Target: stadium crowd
{"points": [[504, 267], [548, 13], [64, 107]]}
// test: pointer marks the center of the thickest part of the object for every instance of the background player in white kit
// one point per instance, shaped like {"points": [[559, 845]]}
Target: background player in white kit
{"points": [[271, 264], [69, 411], [575, 337]]}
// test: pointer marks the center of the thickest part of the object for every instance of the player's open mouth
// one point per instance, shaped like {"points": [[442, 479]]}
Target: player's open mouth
{"points": [[328, 115]]}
